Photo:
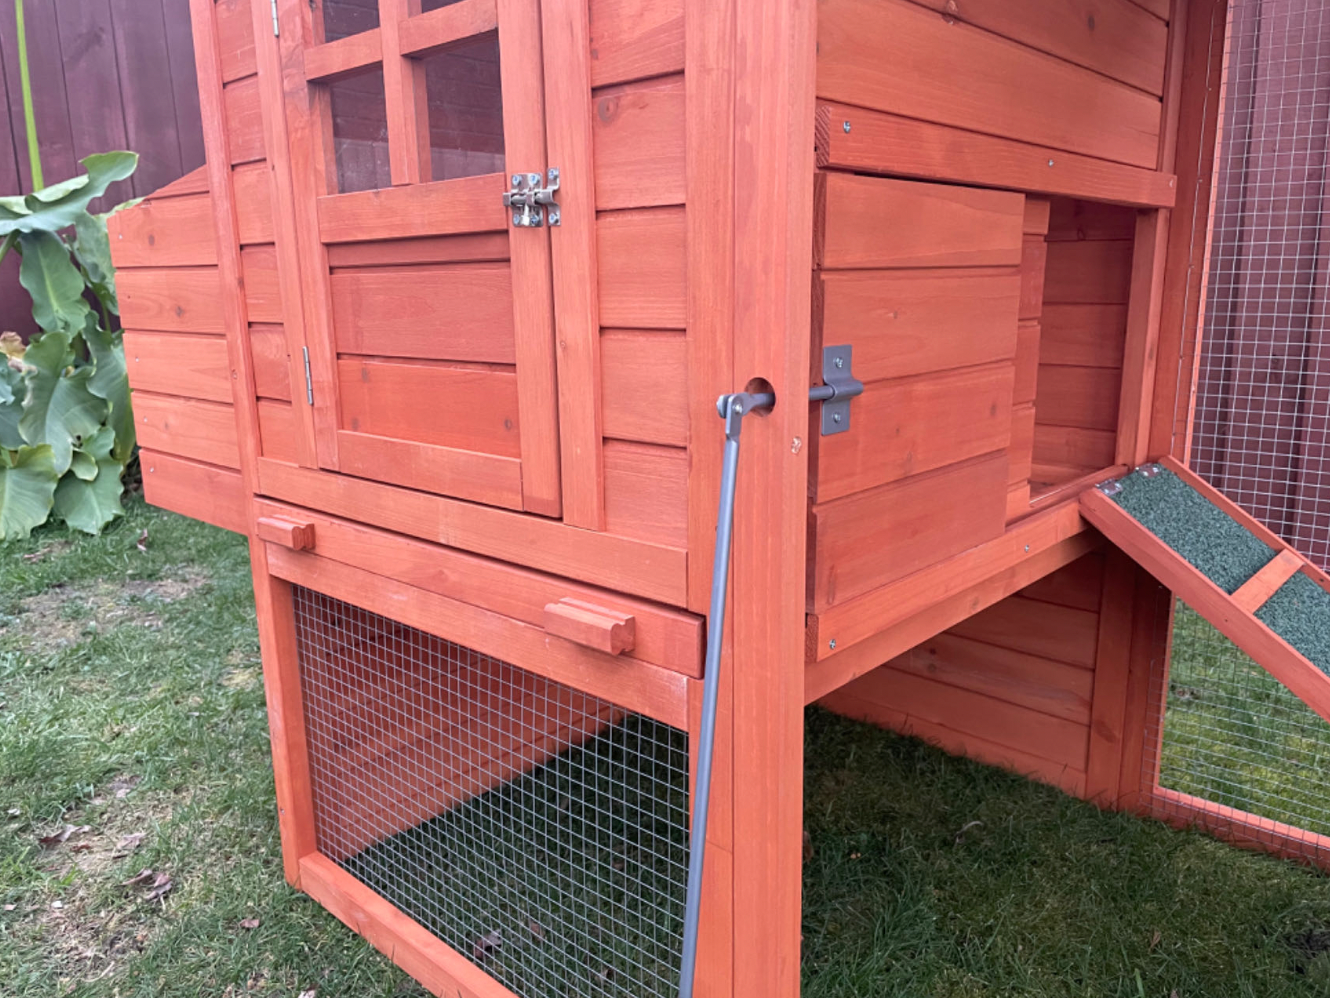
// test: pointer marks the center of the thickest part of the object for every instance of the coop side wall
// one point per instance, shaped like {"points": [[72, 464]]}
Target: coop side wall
{"points": [[1048, 678]]}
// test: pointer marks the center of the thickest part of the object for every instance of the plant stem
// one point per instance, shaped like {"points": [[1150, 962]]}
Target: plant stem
{"points": [[10, 242], [29, 116]]}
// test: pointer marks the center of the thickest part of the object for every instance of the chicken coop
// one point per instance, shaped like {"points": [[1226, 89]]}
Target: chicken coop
{"points": [[441, 328]]}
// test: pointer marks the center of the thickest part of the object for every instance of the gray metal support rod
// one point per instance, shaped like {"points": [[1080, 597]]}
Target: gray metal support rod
{"points": [[732, 409]]}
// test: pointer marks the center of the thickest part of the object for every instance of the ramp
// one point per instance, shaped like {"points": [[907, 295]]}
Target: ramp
{"points": [[1254, 588]]}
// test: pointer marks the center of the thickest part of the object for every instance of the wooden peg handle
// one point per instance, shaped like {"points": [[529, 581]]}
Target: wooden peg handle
{"points": [[298, 535], [594, 626]]}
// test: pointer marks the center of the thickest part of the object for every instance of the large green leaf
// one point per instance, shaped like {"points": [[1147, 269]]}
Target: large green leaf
{"points": [[55, 284], [90, 504], [12, 391], [59, 206], [59, 409], [92, 249], [27, 490], [110, 381]]}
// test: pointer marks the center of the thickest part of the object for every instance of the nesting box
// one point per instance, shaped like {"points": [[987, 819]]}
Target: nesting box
{"points": [[441, 328]]}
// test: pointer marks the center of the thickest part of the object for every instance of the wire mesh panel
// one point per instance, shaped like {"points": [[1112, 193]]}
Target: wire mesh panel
{"points": [[1262, 418], [1236, 738], [538, 830]]}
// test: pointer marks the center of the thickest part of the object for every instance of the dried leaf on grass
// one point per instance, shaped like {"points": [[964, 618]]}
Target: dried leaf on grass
{"points": [[62, 836], [142, 543], [127, 845], [142, 877], [249, 923]]}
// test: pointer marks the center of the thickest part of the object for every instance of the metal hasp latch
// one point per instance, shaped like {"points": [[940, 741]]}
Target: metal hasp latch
{"points": [[840, 385], [531, 203]]}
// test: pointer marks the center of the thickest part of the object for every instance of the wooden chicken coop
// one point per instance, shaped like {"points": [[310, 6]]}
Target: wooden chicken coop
{"points": [[442, 325]]}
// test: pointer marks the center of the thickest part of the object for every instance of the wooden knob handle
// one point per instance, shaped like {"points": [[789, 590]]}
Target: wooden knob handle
{"points": [[298, 535], [595, 626]]}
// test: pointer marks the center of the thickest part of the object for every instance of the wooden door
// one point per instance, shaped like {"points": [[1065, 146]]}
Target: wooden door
{"points": [[428, 314]]}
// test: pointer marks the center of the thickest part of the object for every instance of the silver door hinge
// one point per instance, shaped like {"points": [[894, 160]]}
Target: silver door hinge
{"points": [[532, 204], [276, 31], [839, 386], [309, 383]]}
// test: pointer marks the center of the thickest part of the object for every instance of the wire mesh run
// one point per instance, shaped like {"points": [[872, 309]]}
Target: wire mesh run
{"points": [[1262, 419], [538, 830], [1233, 736]]}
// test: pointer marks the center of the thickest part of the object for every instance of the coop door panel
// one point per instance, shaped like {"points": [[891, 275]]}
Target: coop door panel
{"points": [[1255, 589], [431, 323]]}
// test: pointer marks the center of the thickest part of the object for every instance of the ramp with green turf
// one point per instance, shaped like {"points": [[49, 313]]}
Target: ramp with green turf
{"points": [[1260, 593]]}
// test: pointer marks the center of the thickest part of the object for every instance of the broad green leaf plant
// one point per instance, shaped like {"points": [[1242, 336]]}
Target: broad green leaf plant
{"points": [[66, 428]]}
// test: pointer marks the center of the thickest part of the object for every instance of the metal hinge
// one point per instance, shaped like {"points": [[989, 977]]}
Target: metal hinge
{"points": [[840, 385], [276, 31], [309, 382], [532, 204]]}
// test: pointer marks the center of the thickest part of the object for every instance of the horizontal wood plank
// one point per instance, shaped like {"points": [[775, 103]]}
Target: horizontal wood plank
{"points": [[1113, 37], [646, 492], [244, 120], [263, 288], [270, 362], [891, 144], [424, 33], [1058, 633], [192, 428], [179, 364], [464, 408], [179, 299], [1083, 397], [1084, 335], [664, 637], [871, 222], [644, 386], [643, 271], [277, 431], [460, 312], [343, 56], [913, 425], [1093, 272], [1074, 446], [635, 39], [234, 29], [252, 184], [441, 208], [465, 247], [865, 541], [172, 232], [637, 136], [195, 489], [651, 571], [891, 55], [906, 322], [463, 474], [1079, 585]]}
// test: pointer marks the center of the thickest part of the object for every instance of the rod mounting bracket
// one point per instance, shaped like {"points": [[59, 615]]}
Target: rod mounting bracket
{"points": [[838, 387]]}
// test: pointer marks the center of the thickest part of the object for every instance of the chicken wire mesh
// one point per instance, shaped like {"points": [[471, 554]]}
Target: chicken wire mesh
{"points": [[1261, 431], [538, 830], [1225, 731]]}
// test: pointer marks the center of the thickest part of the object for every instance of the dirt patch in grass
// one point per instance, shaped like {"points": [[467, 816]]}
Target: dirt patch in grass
{"points": [[64, 615]]}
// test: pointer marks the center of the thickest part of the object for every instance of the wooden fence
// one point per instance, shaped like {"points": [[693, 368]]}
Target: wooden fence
{"points": [[106, 74]]}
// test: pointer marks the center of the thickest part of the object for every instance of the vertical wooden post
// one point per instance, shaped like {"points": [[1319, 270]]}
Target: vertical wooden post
{"points": [[276, 634], [773, 228], [404, 96], [1111, 669]]}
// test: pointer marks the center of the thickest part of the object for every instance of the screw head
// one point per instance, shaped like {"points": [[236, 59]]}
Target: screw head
{"points": [[835, 417], [845, 126], [1027, 549], [839, 361], [832, 644], [1050, 162]]}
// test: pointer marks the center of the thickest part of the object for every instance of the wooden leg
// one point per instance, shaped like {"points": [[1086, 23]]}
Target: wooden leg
{"points": [[286, 720]]}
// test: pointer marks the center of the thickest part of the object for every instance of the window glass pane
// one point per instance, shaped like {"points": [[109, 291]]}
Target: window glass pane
{"points": [[428, 5], [465, 108], [348, 17], [360, 132]]}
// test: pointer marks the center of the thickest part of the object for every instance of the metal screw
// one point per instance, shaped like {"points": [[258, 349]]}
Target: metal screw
{"points": [[839, 361], [1050, 162], [832, 644], [1027, 549], [738, 408], [835, 417], [795, 447], [846, 127]]}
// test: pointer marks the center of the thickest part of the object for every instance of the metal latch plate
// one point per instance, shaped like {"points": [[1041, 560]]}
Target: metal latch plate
{"points": [[533, 204]]}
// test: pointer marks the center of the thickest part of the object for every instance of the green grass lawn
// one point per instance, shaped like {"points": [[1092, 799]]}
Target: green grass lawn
{"points": [[131, 703]]}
